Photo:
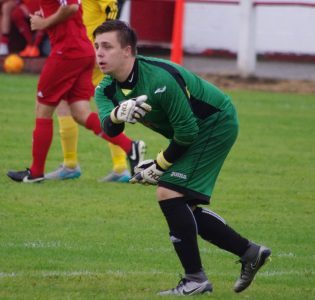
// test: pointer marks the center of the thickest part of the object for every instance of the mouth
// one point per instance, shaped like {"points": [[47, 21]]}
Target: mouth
{"points": [[102, 64]]}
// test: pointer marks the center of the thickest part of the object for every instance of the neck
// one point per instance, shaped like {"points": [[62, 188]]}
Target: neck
{"points": [[122, 75]]}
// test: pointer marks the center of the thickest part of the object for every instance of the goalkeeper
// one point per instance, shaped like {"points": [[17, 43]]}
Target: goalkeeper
{"points": [[201, 123]]}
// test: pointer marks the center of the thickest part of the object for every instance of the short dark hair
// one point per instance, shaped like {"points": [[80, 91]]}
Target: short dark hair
{"points": [[126, 35]]}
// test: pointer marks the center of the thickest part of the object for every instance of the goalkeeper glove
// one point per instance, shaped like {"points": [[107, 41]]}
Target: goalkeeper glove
{"points": [[149, 171], [131, 110]]}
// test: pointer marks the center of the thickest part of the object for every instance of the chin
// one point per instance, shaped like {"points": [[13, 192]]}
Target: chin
{"points": [[103, 70]]}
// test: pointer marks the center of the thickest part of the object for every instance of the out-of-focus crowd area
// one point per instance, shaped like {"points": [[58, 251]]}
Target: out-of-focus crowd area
{"points": [[15, 32]]}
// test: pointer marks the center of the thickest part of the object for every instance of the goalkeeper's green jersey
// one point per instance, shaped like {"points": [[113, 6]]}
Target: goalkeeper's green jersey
{"points": [[181, 101], [186, 109]]}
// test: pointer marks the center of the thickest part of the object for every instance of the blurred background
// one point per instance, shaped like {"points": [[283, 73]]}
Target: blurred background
{"points": [[246, 38]]}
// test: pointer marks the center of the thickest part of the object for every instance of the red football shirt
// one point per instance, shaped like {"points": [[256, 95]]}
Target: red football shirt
{"points": [[32, 5], [68, 39]]}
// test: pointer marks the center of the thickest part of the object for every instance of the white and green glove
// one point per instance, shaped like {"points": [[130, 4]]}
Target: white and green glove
{"points": [[131, 110], [149, 171]]}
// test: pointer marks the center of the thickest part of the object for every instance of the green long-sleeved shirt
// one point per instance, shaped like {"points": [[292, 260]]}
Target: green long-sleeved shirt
{"points": [[180, 100]]}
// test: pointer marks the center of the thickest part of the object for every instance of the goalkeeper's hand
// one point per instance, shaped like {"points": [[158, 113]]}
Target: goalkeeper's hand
{"points": [[149, 171], [131, 110]]}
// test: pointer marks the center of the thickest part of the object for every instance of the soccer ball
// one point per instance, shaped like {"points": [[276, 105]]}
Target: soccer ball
{"points": [[13, 64]]}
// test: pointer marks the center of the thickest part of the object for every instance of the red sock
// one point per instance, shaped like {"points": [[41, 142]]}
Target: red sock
{"points": [[93, 123], [42, 137], [22, 25]]}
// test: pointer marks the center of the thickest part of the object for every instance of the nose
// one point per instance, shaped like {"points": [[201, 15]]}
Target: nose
{"points": [[99, 52]]}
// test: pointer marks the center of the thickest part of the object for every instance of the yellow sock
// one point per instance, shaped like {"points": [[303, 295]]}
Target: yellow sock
{"points": [[118, 155], [69, 133], [118, 158]]}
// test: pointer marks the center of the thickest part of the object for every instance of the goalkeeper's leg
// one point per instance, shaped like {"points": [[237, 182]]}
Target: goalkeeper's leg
{"points": [[214, 229]]}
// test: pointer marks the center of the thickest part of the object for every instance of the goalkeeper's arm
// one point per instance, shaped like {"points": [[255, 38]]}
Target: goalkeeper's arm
{"points": [[112, 129]]}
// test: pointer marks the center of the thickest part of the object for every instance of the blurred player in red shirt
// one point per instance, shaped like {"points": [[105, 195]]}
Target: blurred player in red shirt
{"points": [[20, 17], [66, 76]]}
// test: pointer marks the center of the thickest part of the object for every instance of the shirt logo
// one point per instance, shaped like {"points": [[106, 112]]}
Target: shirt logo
{"points": [[131, 78], [160, 90]]}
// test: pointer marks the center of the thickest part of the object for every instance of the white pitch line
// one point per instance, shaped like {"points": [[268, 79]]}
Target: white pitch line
{"points": [[123, 273], [60, 245]]}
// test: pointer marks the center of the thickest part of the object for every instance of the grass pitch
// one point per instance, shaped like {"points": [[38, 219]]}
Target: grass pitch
{"points": [[81, 239]]}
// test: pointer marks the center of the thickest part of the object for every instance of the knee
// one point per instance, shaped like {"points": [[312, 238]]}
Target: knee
{"points": [[80, 112], [44, 111], [79, 118]]}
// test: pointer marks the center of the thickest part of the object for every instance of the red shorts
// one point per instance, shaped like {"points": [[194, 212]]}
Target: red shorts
{"points": [[65, 79]]}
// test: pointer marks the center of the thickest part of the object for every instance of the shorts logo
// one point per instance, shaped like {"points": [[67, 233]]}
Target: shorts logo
{"points": [[179, 175], [40, 94]]}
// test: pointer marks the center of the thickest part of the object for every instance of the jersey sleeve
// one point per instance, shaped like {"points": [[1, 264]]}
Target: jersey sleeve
{"points": [[176, 105], [103, 99]]}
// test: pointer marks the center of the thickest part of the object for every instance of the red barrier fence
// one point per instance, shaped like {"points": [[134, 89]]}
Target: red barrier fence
{"points": [[165, 23]]}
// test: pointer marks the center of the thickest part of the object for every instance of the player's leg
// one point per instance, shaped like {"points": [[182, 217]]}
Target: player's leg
{"points": [[42, 138], [206, 168], [120, 171], [51, 88], [80, 109], [69, 133], [196, 174], [6, 10], [82, 114], [213, 228], [183, 234]]}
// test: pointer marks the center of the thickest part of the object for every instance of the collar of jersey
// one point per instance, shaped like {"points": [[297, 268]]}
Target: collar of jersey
{"points": [[132, 78]]}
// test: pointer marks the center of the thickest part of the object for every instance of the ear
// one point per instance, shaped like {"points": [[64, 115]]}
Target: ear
{"points": [[128, 51]]}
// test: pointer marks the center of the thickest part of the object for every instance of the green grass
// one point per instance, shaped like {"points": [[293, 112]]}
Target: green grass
{"points": [[82, 239]]}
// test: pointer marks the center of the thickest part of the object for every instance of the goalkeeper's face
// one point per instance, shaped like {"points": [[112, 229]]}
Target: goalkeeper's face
{"points": [[111, 57]]}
